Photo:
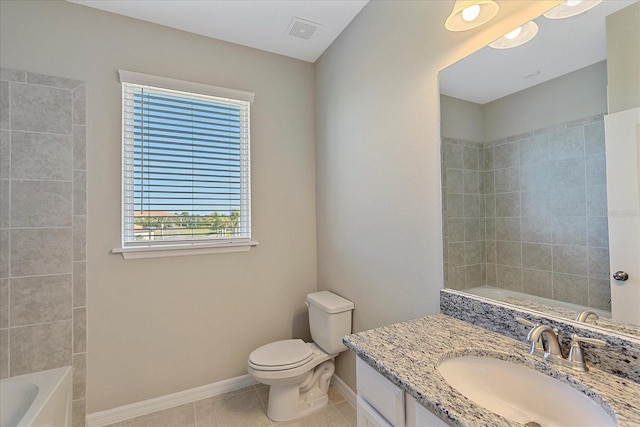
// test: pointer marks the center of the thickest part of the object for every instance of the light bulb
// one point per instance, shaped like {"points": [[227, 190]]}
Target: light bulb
{"points": [[513, 34], [572, 3], [470, 13], [516, 37]]}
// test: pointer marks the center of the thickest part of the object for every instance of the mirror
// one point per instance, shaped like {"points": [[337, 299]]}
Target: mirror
{"points": [[523, 171]]}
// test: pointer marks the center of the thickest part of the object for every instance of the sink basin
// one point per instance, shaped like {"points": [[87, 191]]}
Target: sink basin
{"points": [[521, 394]]}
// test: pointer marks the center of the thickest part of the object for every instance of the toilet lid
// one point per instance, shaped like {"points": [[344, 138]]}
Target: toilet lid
{"points": [[280, 355]]}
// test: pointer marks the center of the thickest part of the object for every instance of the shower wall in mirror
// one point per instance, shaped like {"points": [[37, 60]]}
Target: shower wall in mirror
{"points": [[527, 211], [524, 170]]}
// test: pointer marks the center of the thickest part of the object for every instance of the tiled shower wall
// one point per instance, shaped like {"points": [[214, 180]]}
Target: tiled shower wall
{"points": [[545, 214], [42, 227], [464, 213]]}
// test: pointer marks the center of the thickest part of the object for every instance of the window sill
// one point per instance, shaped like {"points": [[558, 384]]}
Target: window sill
{"points": [[141, 252]]}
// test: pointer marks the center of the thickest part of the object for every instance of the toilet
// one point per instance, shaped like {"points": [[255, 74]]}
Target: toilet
{"points": [[296, 372]]}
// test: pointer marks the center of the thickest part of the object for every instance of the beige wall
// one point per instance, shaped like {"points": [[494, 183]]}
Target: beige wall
{"points": [[623, 51], [460, 119], [581, 93], [378, 157], [573, 96], [164, 325]]}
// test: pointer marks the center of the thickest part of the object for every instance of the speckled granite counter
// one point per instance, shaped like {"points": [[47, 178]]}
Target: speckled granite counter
{"points": [[621, 356], [408, 354]]}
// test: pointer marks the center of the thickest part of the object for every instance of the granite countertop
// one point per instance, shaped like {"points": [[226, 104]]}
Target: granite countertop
{"points": [[408, 354]]}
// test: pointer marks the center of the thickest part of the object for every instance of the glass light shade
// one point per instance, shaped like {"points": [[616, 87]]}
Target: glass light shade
{"points": [[462, 16], [527, 32], [570, 8]]}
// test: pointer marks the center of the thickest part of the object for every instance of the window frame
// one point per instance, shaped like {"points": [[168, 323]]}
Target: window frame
{"points": [[130, 249]]}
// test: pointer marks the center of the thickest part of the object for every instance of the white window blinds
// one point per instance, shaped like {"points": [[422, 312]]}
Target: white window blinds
{"points": [[186, 163]]}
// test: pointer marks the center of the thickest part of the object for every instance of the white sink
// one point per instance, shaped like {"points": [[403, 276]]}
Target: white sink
{"points": [[521, 394]]}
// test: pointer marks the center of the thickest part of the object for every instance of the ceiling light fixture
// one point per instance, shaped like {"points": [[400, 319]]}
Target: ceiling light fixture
{"points": [[570, 8], [469, 14], [516, 37]]}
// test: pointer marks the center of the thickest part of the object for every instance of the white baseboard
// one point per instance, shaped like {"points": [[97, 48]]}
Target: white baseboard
{"points": [[343, 388], [122, 413]]}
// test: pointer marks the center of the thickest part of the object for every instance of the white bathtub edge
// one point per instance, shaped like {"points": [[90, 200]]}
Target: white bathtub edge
{"points": [[49, 382]]}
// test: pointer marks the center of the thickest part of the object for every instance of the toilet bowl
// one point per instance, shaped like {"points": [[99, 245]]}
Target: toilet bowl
{"points": [[299, 373], [293, 391]]}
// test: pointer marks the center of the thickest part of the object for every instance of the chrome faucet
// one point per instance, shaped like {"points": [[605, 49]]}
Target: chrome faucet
{"points": [[552, 351], [585, 314]]}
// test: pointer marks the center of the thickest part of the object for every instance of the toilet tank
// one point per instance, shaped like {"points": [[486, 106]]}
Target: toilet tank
{"points": [[329, 320]]}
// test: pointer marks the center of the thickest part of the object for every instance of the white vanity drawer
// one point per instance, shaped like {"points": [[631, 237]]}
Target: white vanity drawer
{"points": [[419, 416], [369, 417], [386, 398]]}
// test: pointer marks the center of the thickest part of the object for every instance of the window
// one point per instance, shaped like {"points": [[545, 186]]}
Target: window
{"points": [[186, 167]]}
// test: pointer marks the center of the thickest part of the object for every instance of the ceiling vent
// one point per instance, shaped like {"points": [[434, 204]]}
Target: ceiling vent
{"points": [[302, 29]]}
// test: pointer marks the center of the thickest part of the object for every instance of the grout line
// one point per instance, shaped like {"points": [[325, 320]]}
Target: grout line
{"points": [[41, 275], [26, 77], [45, 323], [43, 228], [8, 350], [586, 209], [42, 133]]}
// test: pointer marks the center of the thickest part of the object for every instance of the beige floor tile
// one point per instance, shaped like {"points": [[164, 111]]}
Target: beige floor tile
{"points": [[325, 417], [244, 409], [334, 395], [348, 412], [263, 393], [250, 389], [180, 416]]}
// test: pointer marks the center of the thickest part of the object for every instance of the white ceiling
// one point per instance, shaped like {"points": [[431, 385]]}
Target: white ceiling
{"points": [[560, 47], [261, 24]]}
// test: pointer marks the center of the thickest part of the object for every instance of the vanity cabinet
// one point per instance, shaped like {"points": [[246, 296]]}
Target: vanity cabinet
{"points": [[380, 403], [383, 404]]}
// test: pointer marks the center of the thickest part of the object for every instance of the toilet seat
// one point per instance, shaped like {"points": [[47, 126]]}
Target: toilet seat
{"points": [[281, 355]]}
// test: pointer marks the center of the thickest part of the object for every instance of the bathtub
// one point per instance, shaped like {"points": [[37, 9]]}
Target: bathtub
{"points": [[508, 296], [41, 399]]}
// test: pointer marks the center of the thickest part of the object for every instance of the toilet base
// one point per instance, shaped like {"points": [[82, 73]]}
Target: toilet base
{"points": [[291, 401]]}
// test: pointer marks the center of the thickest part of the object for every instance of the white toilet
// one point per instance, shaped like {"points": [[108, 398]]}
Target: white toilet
{"points": [[298, 373]]}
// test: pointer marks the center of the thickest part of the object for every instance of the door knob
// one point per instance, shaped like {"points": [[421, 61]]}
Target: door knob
{"points": [[621, 275]]}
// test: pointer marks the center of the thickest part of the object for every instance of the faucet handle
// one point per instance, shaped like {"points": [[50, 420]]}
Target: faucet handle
{"points": [[526, 322], [576, 358], [592, 341]]}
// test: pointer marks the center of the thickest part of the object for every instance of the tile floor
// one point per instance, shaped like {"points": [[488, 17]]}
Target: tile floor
{"points": [[244, 407]]}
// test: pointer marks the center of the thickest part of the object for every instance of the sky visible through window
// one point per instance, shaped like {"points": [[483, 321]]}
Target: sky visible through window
{"points": [[186, 155]]}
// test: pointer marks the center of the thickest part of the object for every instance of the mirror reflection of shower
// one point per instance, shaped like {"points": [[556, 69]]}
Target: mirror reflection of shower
{"points": [[523, 163], [526, 212]]}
